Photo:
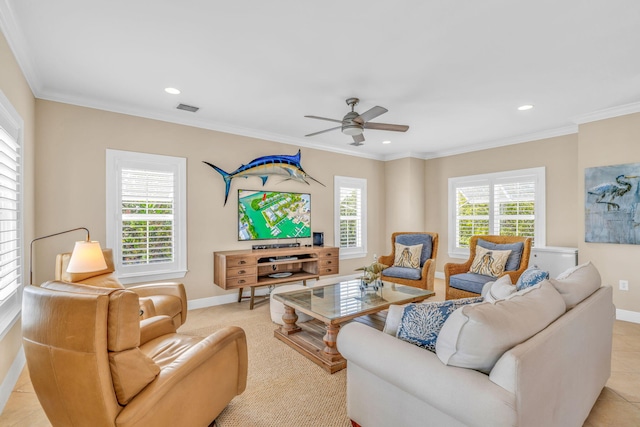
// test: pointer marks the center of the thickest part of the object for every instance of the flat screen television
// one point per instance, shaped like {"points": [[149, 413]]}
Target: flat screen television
{"points": [[273, 215]]}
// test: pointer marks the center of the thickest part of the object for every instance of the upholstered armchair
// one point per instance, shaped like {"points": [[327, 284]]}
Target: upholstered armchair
{"points": [[421, 277], [169, 299], [93, 363], [461, 283]]}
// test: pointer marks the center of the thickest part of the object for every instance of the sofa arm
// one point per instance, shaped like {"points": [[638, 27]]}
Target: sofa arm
{"points": [[420, 373], [155, 327], [205, 377], [168, 288]]}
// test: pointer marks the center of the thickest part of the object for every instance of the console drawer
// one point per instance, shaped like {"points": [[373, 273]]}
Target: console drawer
{"points": [[241, 282], [328, 253], [240, 261], [241, 271], [328, 262]]}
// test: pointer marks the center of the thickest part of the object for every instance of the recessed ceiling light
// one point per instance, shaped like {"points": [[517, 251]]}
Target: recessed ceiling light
{"points": [[386, 142], [172, 90], [525, 107]]}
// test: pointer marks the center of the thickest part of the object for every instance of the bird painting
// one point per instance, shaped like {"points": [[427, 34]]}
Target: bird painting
{"points": [[612, 191], [612, 201]]}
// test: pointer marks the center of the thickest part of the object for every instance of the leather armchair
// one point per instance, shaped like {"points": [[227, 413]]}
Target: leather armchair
{"points": [[459, 269], [425, 277], [93, 363], [168, 299]]}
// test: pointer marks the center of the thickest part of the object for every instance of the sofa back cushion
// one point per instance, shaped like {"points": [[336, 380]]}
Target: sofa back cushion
{"points": [[577, 283], [475, 336], [417, 239]]}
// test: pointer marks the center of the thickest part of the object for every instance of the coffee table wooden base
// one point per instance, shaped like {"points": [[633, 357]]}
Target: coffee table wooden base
{"points": [[309, 340]]}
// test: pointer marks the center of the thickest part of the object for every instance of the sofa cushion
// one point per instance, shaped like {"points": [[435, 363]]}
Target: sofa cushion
{"points": [[500, 289], [131, 371], [531, 276], [513, 261], [489, 262], [418, 239], [469, 282], [421, 323], [577, 283], [403, 273], [475, 336], [407, 256]]}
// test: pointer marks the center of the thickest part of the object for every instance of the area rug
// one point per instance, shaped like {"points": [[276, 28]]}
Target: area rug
{"points": [[283, 387]]}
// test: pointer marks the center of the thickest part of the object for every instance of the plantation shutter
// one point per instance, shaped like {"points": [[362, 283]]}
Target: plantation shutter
{"points": [[10, 227], [472, 211], [514, 206], [350, 217], [147, 217]]}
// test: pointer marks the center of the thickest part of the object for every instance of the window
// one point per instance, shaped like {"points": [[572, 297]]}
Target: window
{"points": [[506, 203], [351, 216], [146, 215], [11, 241]]}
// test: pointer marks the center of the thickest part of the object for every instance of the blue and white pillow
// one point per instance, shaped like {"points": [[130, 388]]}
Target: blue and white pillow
{"points": [[421, 323], [531, 276]]}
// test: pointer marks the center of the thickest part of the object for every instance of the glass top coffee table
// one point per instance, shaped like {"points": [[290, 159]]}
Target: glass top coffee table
{"points": [[330, 306]]}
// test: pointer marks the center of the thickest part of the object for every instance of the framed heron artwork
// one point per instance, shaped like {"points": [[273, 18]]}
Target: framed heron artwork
{"points": [[611, 204]]}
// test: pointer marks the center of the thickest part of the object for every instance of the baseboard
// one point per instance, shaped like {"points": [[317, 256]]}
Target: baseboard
{"points": [[11, 378], [233, 297], [440, 275], [628, 316]]}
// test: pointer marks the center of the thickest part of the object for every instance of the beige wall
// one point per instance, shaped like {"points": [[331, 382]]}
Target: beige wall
{"points": [[71, 183], [604, 143], [405, 197], [16, 89], [558, 155]]}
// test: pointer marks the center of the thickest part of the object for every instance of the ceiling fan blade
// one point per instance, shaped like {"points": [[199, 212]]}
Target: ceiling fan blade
{"points": [[386, 126], [323, 131], [358, 140], [324, 118], [370, 114]]}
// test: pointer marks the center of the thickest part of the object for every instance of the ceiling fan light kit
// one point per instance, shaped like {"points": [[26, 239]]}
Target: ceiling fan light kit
{"points": [[354, 124]]}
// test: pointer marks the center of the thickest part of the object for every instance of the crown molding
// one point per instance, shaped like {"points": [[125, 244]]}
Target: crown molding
{"points": [[608, 113], [529, 137], [18, 45], [198, 123]]}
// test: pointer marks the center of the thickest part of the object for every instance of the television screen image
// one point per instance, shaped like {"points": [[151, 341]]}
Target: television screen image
{"points": [[273, 215]]}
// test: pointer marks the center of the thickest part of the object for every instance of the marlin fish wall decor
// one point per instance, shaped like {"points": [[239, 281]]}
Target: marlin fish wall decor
{"points": [[288, 166]]}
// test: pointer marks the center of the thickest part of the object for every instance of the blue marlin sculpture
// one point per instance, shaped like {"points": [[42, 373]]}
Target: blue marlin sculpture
{"points": [[288, 166]]}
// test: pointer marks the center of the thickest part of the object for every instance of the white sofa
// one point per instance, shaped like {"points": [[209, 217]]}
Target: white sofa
{"points": [[550, 379]]}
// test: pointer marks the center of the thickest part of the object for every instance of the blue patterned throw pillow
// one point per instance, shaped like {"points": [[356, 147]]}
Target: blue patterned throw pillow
{"points": [[531, 276], [421, 323]]}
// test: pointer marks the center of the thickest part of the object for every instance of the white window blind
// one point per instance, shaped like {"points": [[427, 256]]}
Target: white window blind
{"points": [[506, 203], [146, 215], [350, 216], [11, 241]]}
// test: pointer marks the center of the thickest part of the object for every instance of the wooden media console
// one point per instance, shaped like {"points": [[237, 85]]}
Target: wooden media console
{"points": [[251, 268]]}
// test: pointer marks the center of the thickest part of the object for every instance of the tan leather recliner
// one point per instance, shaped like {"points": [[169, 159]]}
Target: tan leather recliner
{"points": [[168, 299], [93, 363]]}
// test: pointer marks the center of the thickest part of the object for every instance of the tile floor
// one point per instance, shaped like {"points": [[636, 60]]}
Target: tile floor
{"points": [[618, 404]]}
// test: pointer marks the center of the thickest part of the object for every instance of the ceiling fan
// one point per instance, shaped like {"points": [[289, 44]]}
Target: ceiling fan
{"points": [[354, 123]]}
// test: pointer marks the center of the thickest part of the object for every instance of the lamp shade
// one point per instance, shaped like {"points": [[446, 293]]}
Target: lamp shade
{"points": [[86, 258]]}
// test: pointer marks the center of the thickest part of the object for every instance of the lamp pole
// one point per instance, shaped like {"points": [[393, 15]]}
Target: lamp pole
{"points": [[45, 237]]}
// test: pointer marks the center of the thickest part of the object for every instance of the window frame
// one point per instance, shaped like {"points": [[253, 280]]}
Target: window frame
{"points": [[491, 179], [118, 160], [341, 182], [13, 125]]}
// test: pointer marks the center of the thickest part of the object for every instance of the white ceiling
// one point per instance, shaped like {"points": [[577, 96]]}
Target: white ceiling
{"points": [[454, 71]]}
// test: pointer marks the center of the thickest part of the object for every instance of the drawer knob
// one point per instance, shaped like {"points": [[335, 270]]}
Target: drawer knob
{"points": [[241, 281], [242, 261], [241, 272]]}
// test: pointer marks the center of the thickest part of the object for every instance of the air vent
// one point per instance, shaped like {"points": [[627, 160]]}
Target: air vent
{"points": [[186, 107]]}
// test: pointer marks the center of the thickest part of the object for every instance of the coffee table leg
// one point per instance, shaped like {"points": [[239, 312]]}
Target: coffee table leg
{"points": [[330, 339], [289, 318]]}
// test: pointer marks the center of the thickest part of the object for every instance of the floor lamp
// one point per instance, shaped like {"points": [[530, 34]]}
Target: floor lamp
{"points": [[86, 256]]}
